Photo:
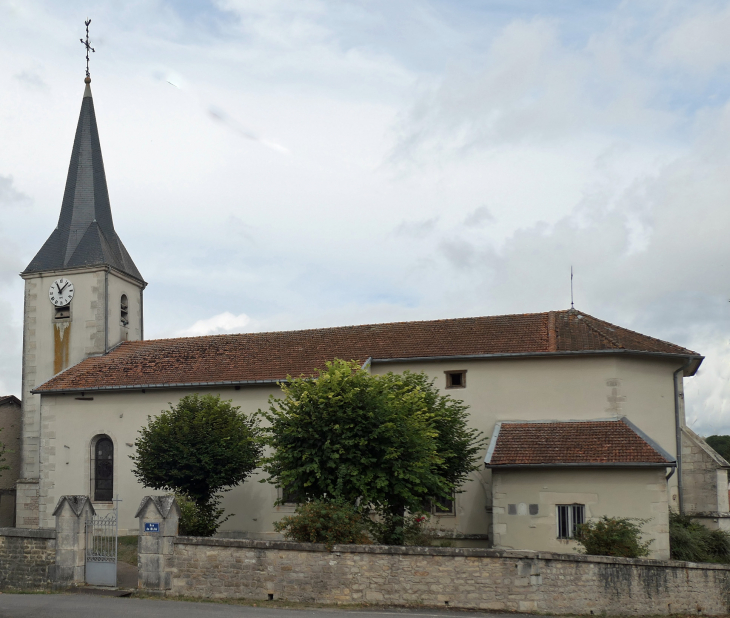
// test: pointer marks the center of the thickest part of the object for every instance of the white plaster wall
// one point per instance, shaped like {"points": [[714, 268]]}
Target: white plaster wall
{"points": [[567, 388], [640, 493], [50, 346], [577, 388], [82, 335], [72, 424]]}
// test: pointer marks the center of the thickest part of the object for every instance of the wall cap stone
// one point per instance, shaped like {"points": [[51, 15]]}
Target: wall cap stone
{"points": [[163, 504], [32, 533], [76, 503], [468, 552]]}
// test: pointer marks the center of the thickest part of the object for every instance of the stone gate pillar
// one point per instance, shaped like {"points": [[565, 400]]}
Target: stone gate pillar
{"points": [[71, 514], [158, 522]]}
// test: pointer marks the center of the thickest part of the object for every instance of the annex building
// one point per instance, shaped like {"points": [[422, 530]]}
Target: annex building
{"points": [[585, 418]]}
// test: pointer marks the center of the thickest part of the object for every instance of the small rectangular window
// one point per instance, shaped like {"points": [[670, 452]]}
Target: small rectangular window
{"points": [[440, 506], [455, 379], [534, 509], [290, 497], [570, 516]]}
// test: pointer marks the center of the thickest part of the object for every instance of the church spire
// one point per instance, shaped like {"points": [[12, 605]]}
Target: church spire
{"points": [[85, 234]]}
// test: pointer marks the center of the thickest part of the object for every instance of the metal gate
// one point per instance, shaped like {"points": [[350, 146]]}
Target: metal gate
{"points": [[101, 549]]}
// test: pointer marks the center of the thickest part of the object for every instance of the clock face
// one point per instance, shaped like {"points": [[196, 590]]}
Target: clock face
{"points": [[61, 292]]}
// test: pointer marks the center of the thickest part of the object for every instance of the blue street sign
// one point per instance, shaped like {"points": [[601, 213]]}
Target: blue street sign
{"points": [[152, 527]]}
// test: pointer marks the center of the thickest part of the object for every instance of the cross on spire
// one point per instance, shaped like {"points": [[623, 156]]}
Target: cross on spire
{"points": [[88, 47]]}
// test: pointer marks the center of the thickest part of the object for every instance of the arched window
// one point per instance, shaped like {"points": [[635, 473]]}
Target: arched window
{"points": [[124, 311], [102, 469]]}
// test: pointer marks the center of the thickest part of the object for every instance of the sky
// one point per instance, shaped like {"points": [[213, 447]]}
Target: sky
{"points": [[277, 165]]}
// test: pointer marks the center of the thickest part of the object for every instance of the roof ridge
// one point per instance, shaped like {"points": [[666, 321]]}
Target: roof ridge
{"points": [[637, 333], [606, 336], [552, 333], [344, 326]]}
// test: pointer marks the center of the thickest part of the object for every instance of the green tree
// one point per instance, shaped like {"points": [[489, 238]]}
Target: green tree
{"points": [[200, 447], [379, 441], [721, 444]]}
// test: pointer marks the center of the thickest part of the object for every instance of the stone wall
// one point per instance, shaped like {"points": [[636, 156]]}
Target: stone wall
{"points": [[457, 577], [27, 558]]}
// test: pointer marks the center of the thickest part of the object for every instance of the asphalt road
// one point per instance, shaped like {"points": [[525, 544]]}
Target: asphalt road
{"points": [[87, 606]]}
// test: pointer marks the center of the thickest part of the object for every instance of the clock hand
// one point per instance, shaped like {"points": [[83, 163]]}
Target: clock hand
{"points": [[59, 288], [64, 286]]}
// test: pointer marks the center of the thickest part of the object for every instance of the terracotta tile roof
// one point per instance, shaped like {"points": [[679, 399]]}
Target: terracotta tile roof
{"points": [[605, 442], [9, 399], [273, 356]]}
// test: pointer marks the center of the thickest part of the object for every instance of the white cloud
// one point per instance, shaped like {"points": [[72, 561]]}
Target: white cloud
{"points": [[9, 195], [697, 43], [224, 322], [444, 161]]}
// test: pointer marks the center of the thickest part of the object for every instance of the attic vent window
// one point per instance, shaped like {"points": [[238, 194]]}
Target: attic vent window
{"points": [[124, 311], [456, 379]]}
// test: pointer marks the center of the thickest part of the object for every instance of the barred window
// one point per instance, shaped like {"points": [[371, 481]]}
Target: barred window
{"points": [[570, 516]]}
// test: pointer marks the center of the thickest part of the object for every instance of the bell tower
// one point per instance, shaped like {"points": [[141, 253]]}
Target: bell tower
{"points": [[83, 296]]}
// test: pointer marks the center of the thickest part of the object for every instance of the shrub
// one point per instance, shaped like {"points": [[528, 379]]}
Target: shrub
{"points": [[415, 528], [689, 540], [613, 536], [325, 521], [199, 521]]}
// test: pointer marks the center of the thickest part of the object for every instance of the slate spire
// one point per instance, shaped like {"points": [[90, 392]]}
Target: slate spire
{"points": [[85, 233]]}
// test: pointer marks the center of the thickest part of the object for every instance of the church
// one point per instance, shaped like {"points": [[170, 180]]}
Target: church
{"points": [[584, 418]]}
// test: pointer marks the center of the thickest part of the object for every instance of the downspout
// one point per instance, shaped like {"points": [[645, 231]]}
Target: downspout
{"points": [[678, 433], [106, 310], [141, 314]]}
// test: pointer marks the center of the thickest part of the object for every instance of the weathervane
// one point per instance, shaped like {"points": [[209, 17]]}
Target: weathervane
{"points": [[88, 47], [571, 287]]}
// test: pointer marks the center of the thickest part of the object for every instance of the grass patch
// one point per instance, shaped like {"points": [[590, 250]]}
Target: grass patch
{"points": [[127, 549]]}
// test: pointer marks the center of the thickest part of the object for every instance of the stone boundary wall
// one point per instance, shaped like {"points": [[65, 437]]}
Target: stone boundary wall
{"points": [[27, 558], [458, 577]]}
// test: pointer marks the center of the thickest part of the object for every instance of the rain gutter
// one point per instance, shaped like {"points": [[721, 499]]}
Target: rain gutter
{"points": [[694, 359], [667, 464], [161, 386]]}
